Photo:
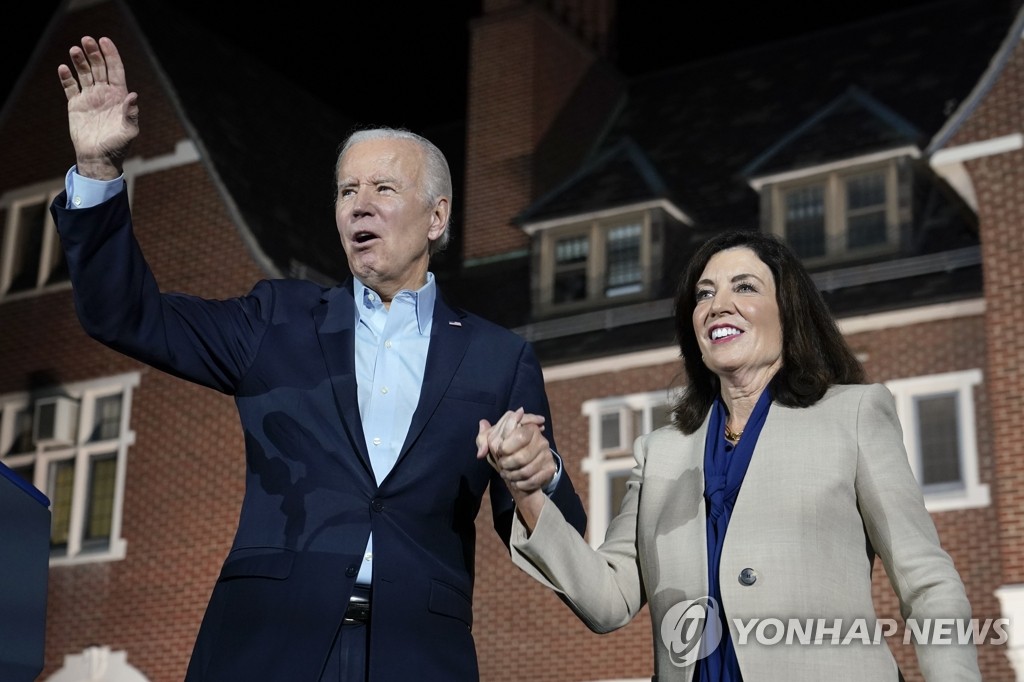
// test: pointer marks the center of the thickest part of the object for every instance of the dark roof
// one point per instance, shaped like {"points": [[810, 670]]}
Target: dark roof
{"points": [[272, 144], [698, 134], [872, 85], [852, 124], [692, 135], [620, 175]]}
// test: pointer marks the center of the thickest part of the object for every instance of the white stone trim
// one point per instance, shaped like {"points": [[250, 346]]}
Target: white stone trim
{"points": [[1011, 604], [833, 166], [97, 664], [850, 325]]}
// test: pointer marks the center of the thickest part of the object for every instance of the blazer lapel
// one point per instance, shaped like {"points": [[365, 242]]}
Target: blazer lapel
{"points": [[334, 318]]}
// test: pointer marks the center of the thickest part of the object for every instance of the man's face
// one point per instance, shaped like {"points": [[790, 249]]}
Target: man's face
{"points": [[383, 217]]}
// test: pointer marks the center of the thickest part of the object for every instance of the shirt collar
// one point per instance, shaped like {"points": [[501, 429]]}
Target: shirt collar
{"points": [[423, 298]]}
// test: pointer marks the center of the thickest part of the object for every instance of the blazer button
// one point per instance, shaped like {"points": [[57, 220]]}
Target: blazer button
{"points": [[748, 577], [376, 505], [351, 572]]}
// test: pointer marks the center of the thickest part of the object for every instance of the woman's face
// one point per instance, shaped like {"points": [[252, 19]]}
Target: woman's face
{"points": [[736, 319]]}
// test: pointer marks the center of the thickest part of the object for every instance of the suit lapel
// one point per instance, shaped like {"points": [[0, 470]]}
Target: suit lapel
{"points": [[448, 342], [334, 318]]}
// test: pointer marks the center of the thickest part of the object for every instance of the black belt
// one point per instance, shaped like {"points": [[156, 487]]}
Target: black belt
{"points": [[358, 610]]}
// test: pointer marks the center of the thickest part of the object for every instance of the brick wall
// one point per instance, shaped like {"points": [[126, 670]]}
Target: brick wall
{"points": [[185, 473], [185, 482], [999, 184], [523, 67]]}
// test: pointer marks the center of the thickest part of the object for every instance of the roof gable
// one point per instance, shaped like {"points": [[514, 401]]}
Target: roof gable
{"points": [[620, 176], [853, 124], [704, 124]]}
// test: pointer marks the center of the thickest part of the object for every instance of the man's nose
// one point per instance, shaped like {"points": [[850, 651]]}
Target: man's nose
{"points": [[361, 204]]}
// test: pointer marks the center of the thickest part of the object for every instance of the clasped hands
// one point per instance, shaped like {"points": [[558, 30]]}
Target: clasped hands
{"points": [[517, 449]]}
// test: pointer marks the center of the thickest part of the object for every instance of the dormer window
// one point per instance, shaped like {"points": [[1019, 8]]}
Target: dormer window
{"points": [[623, 266], [839, 215], [620, 274], [570, 268], [595, 262]]}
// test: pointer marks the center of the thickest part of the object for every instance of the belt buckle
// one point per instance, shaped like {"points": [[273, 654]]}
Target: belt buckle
{"points": [[358, 610]]}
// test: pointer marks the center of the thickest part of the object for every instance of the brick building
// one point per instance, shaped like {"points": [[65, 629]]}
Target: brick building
{"points": [[889, 153]]}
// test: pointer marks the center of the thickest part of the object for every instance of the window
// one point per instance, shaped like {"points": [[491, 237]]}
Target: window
{"points": [[840, 215], [72, 444], [615, 423], [598, 261], [624, 268], [571, 268], [31, 257], [937, 415]]}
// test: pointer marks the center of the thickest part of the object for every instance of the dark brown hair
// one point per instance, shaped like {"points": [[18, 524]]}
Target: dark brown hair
{"points": [[814, 353]]}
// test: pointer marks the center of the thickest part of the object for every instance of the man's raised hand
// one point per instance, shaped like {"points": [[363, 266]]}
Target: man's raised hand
{"points": [[103, 117]]}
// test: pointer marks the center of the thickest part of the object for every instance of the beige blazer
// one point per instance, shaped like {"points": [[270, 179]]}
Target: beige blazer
{"points": [[828, 487]]}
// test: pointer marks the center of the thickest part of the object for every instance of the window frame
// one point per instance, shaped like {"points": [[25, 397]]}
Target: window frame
{"points": [[603, 464], [973, 493], [836, 215], [82, 454], [596, 231], [50, 255]]}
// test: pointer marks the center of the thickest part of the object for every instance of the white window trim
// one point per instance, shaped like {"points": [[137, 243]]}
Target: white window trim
{"points": [[12, 203], [974, 494], [81, 452], [600, 464]]}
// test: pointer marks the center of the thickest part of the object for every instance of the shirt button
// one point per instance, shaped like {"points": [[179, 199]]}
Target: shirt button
{"points": [[368, 557], [376, 441], [384, 390], [387, 344], [77, 201]]}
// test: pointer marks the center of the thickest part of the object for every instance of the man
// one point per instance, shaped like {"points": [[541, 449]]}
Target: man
{"points": [[353, 558]]}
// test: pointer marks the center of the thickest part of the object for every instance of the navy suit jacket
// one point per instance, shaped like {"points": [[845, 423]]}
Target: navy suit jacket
{"points": [[285, 351]]}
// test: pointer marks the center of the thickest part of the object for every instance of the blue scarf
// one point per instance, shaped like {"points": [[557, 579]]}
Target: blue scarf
{"points": [[725, 466]]}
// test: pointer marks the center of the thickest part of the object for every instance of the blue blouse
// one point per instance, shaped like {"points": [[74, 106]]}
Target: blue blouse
{"points": [[725, 465]]}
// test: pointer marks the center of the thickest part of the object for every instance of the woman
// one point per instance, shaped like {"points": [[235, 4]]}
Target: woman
{"points": [[776, 401]]}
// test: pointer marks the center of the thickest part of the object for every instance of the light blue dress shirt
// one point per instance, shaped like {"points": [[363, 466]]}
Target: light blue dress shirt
{"points": [[391, 354], [85, 192]]}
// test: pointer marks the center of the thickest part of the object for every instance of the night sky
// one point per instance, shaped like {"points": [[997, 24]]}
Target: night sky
{"points": [[413, 55]]}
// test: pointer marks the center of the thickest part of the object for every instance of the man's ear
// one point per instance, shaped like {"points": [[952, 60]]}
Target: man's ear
{"points": [[439, 218]]}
